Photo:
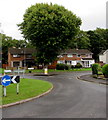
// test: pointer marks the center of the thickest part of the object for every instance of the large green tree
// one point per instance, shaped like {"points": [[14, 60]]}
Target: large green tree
{"points": [[95, 44], [8, 42], [82, 40], [103, 33], [50, 28]]}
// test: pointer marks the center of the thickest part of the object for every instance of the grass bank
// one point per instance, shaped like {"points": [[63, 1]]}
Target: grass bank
{"points": [[28, 88]]}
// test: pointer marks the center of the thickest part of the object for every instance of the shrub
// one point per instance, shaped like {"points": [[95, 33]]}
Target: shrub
{"points": [[105, 70], [95, 68], [60, 66], [78, 65], [67, 67], [72, 67]]}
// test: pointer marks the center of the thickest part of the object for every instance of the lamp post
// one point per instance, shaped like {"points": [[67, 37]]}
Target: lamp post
{"points": [[24, 59], [1, 31]]}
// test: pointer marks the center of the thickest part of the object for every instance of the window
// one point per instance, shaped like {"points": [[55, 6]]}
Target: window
{"points": [[78, 55], [69, 55], [60, 62], [16, 55], [29, 56], [69, 62], [16, 64]]}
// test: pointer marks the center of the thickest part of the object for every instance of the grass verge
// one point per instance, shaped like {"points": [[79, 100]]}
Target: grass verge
{"points": [[53, 70], [28, 88]]}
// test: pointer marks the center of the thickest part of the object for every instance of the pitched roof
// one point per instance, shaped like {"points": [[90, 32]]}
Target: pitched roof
{"points": [[32, 50], [102, 52], [77, 51], [22, 50]]}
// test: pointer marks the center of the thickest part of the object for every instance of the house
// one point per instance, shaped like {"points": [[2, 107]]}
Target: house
{"points": [[103, 56], [24, 57], [21, 57], [74, 56]]}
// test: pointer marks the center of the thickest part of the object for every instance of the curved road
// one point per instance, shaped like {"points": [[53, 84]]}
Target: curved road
{"points": [[70, 98]]}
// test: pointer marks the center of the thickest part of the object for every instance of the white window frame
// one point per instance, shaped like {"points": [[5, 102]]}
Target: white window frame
{"points": [[69, 55], [16, 55], [60, 62]]}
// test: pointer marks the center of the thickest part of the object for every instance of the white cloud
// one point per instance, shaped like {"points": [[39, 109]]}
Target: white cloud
{"points": [[92, 13]]}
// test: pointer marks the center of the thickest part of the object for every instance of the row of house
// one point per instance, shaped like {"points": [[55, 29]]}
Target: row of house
{"points": [[24, 57], [74, 56]]}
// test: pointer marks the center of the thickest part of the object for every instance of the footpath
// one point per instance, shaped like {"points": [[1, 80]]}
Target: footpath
{"points": [[89, 78]]}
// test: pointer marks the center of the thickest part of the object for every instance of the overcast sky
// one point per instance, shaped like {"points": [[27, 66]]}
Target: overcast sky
{"points": [[91, 12]]}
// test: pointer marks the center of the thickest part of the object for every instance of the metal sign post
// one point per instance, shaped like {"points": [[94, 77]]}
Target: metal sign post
{"points": [[17, 89], [6, 80], [16, 80], [4, 91]]}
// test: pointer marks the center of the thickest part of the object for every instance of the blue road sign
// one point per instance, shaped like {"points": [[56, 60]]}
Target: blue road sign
{"points": [[6, 80]]}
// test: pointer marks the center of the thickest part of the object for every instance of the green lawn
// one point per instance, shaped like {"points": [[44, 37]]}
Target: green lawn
{"points": [[1, 70], [28, 88], [0, 95], [53, 70]]}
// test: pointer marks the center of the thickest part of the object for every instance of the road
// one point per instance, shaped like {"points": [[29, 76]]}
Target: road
{"points": [[70, 98]]}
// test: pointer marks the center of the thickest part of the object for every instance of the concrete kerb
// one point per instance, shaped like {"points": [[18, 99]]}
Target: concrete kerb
{"points": [[79, 78], [27, 100]]}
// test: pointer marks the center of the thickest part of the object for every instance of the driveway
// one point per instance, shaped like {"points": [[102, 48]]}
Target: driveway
{"points": [[70, 98]]}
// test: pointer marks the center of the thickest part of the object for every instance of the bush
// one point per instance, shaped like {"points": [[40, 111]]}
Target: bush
{"points": [[105, 70], [78, 65], [60, 66], [95, 68], [72, 67], [67, 67]]}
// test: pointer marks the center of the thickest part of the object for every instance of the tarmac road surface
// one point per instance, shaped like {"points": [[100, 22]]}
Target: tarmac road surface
{"points": [[70, 98]]}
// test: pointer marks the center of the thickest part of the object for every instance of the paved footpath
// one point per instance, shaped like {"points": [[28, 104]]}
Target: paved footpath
{"points": [[89, 78], [70, 98]]}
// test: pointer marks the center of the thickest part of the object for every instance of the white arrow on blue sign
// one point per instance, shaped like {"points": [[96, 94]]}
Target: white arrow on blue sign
{"points": [[6, 80]]}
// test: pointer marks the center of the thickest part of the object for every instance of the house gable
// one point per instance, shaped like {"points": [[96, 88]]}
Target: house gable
{"points": [[103, 56]]}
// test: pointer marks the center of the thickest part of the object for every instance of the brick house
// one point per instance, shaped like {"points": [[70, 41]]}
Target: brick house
{"points": [[74, 56], [21, 57]]}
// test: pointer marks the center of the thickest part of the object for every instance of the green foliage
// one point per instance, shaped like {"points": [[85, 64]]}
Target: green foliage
{"points": [[105, 70], [81, 41], [72, 66], [94, 44], [28, 88], [103, 33], [78, 65], [95, 68], [60, 67], [9, 42], [94, 40], [50, 28], [67, 67]]}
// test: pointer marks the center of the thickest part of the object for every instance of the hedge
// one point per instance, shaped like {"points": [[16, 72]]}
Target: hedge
{"points": [[95, 68], [105, 70]]}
